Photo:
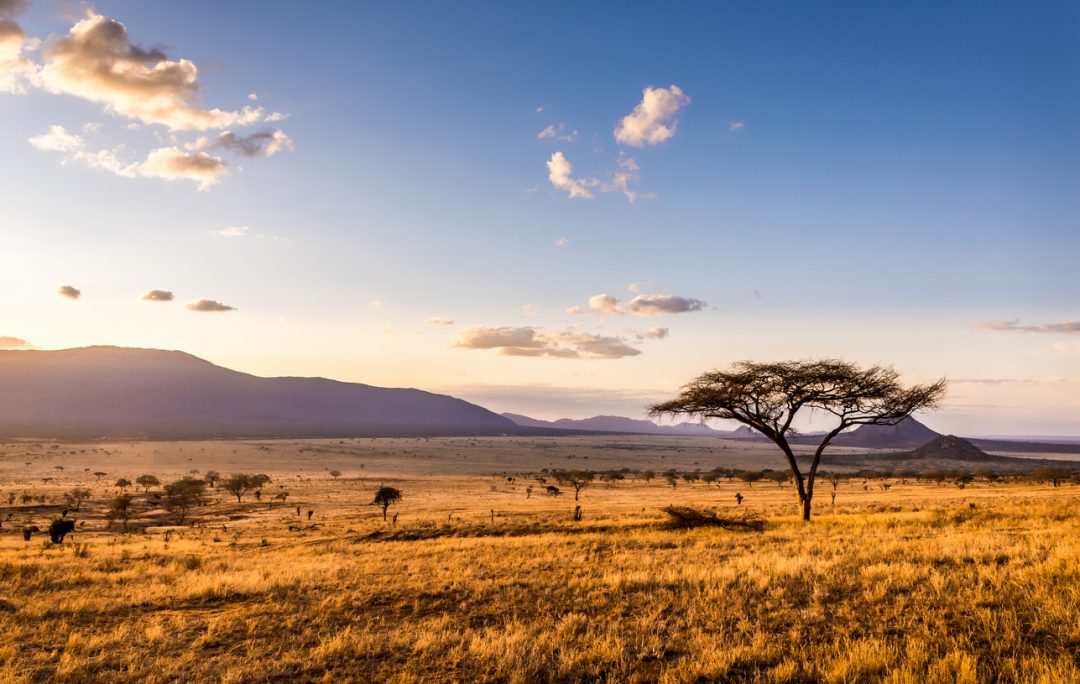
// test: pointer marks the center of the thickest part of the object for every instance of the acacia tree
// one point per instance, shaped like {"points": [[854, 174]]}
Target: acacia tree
{"points": [[578, 479], [385, 497], [239, 484], [147, 481], [183, 495], [120, 509], [768, 396]]}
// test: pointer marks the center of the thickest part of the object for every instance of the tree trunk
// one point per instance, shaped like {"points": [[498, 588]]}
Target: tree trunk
{"points": [[806, 509], [384, 513]]}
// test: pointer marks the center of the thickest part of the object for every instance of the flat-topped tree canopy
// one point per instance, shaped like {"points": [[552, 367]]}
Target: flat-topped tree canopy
{"points": [[768, 396]]}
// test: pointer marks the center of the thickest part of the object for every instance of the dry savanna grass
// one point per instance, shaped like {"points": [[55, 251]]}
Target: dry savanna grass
{"points": [[480, 580]]}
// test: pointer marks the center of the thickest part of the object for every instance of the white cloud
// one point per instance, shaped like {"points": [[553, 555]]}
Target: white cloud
{"points": [[657, 305], [171, 163], [641, 305], [636, 287], [653, 119], [97, 61], [654, 333], [440, 320], [16, 71], [57, 139], [158, 296], [736, 126], [168, 163], [604, 303], [208, 305], [559, 170], [232, 231], [561, 241], [527, 341]]}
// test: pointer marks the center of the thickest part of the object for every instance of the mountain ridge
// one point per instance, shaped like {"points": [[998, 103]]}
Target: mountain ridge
{"points": [[119, 392]]}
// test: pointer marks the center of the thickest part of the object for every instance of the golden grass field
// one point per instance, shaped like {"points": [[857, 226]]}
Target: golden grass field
{"points": [[479, 581]]}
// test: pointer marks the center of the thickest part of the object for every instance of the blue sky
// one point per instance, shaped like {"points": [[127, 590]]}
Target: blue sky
{"points": [[893, 184]]}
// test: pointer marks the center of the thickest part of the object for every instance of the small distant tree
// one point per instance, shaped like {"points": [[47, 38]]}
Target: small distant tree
{"points": [[120, 509], [75, 497], [1055, 475], [212, 478], [183, 495], [99, 474], [578, 479], [768, 397], [386, 497], [122, 484], [260, 480], [335, 474], [238, 485], [647, 475], [147, 481]]}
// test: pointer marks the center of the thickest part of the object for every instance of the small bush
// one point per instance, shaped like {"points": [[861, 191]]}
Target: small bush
{"points": [[686, 517]]}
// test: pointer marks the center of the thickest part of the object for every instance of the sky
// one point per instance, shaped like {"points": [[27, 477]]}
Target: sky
{"points": [[557, 209]]}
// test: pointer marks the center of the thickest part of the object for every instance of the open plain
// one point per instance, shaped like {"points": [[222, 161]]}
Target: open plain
{"points": [[485, 575]]}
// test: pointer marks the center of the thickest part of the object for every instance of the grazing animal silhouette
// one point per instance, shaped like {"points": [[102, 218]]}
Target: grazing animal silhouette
{"points": [[29, 532], [309, 514], [59, 529]]}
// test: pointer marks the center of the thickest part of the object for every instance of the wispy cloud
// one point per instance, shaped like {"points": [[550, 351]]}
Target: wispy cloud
{"points": [[640, 305], [561, 241], [528, 341], [1054, 328], [69, 291], [232, 231], [208, 306], [558, 132], [653, 119], [736, 126], [559, 173], [261, 144], [167, 163], [439, 320], [9, 343], [158, 296]]}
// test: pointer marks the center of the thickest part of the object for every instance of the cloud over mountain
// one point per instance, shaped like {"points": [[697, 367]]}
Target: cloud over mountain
{"points": [[527, 341], [640, 305]]}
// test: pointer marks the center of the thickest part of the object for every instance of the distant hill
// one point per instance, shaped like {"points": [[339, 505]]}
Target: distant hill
{"points": [[618, 424], [907, 434], [113, 392], [948, 448]]}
